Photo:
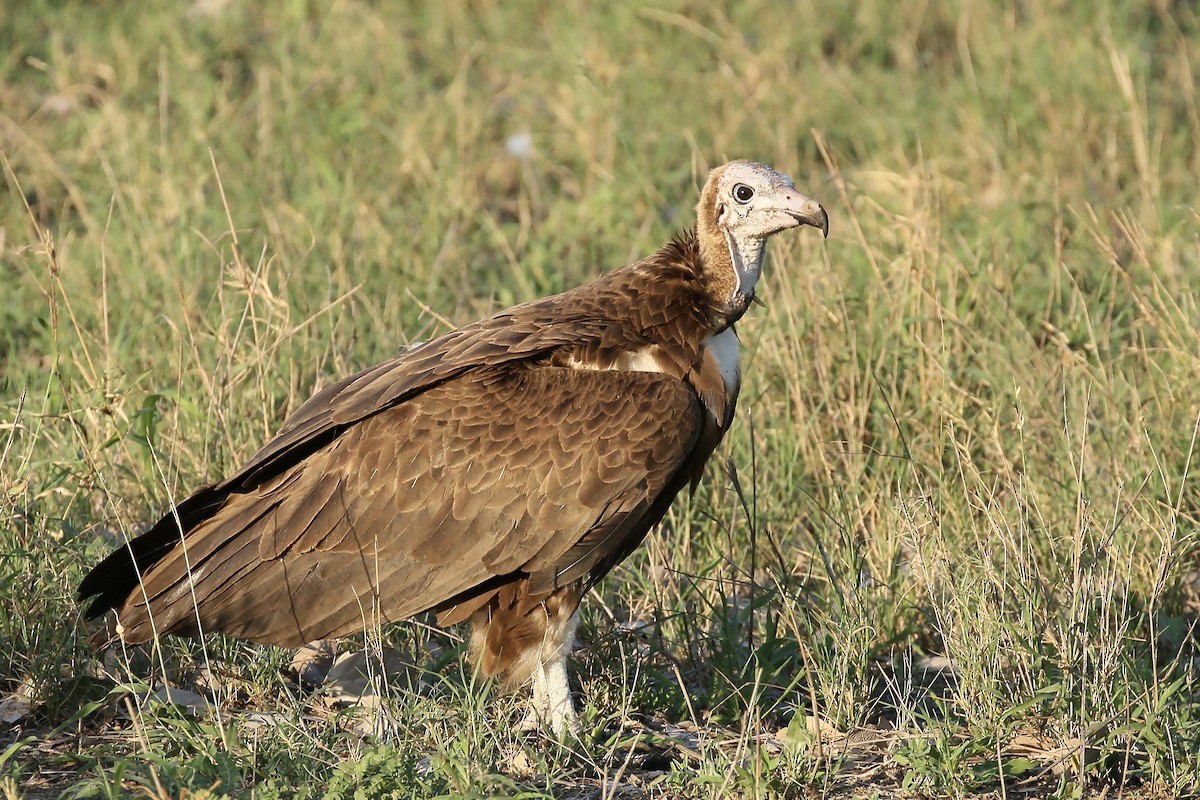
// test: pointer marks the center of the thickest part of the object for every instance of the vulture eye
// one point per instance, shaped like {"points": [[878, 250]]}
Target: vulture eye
{"points": [[742, 193]]}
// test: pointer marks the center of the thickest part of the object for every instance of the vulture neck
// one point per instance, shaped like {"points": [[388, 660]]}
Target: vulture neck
{"points": [[731, 265]]}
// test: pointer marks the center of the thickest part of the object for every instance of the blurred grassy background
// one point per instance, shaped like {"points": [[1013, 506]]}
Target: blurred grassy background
{"points": [[957, 507]]}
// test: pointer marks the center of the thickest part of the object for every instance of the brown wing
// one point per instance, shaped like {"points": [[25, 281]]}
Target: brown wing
{"points": [[503, 474], [521, 334]]}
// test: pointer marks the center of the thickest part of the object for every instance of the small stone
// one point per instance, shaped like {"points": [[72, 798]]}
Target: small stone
{"points": [[312, 662], [360, 674], [14, 708], [519, 145], [193, 703]]}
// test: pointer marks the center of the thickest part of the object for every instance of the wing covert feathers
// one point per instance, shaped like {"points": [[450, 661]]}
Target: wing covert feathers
{"points": [[534, 474]]}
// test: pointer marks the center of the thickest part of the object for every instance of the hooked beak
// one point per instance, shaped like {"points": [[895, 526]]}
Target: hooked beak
{"points": [[804, 210]]}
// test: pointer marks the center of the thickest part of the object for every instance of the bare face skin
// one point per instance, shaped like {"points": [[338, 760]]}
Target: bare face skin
{"points": [[754, 202]]}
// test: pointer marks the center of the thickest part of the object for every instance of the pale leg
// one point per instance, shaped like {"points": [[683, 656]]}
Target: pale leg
{"points": [[559, 707], [551, 706]]}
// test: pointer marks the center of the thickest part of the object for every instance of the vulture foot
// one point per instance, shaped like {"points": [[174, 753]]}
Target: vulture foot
{"points": [[551, 707]]}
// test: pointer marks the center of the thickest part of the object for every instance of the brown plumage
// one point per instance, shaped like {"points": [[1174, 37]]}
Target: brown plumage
{"points": [[493, 474]]}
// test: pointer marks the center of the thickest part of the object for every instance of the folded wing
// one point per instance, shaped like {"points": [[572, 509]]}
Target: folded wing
{"points": [[529, 474]]}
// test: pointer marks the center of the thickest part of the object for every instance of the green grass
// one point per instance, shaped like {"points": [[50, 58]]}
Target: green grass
{"points": [[956, 518]]}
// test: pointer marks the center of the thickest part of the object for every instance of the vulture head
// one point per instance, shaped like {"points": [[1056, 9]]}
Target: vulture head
{"points": [[742, 204]]}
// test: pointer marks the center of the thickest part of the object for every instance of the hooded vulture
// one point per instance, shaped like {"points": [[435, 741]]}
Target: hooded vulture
{"points": [[491, 475]]}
